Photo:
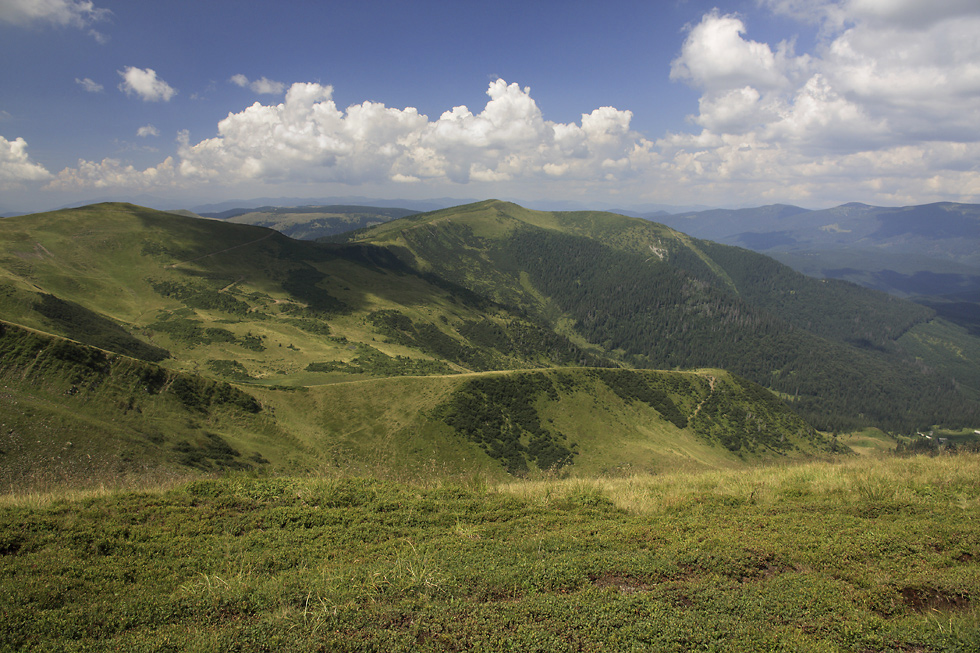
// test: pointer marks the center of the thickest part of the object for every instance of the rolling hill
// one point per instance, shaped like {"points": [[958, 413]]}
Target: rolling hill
{"points": [[485, 339], [650, 296]]}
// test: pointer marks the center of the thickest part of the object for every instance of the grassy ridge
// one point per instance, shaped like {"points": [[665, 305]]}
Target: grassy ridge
{"points": [[249, 304], [869, 556], [80, 415], [648, 296]]}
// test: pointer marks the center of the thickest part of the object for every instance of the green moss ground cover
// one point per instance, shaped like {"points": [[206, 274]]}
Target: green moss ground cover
{"points": [[864, 556]]}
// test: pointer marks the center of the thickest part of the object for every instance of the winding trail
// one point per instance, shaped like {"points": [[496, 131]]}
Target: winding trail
{"points": [[711, 391], [233, 284]]}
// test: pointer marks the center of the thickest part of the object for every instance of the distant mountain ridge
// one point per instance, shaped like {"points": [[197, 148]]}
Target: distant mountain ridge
{"points": [[929, 251], [942, 231], [312, 221]]}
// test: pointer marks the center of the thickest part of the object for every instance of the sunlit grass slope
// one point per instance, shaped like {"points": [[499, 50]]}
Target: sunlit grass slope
{"points": [[869, 555], [74, 414], [248, 304]]}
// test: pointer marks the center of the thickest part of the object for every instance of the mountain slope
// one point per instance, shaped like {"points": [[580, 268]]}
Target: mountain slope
{"points": [[657, 298], [482, 339], [250, 303], [78, 414]]}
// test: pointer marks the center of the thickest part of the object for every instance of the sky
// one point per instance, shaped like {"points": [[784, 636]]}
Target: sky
{"points": [[617, 103]]}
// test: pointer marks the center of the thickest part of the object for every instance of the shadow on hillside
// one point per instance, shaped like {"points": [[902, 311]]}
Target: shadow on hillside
{"points": [[302, 269]]}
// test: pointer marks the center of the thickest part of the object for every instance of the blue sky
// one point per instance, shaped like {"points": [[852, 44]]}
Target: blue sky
{"points": [[811, 102]]}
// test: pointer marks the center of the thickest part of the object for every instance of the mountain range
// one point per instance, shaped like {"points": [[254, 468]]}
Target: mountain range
{"points": [[483, 337], [882, 247]]}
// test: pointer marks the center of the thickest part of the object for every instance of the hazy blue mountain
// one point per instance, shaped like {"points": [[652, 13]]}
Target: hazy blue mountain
{"points": [[922, 250], [432, 204], [313, 222]]}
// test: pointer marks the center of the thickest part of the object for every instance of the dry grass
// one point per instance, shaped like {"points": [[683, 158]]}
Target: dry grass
{"points": [[42, 489], [890, 479]]}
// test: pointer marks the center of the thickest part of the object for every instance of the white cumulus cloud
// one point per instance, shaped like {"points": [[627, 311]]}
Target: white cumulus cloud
{"points": [[112, 173], [886, 107], [16, 167], [262, 86], [309, 137], [145, 84], [147, 130], [717, 57]]}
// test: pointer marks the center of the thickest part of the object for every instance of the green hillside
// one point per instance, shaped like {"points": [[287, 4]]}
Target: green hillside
{"points": [[651, 297], [486, 339], [481, 428], [76, 413]]}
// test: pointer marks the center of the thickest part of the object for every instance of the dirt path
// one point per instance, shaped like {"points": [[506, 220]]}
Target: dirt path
{"points": [[232, 284], [711, 391], [222, 251]]}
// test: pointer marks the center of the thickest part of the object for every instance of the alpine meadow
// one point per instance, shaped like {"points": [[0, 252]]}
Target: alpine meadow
{"points": [[477, 428], [555, 327]]}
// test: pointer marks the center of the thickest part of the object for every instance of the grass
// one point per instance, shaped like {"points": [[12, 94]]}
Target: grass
{"points": [[75, 415], [869, 441], [863, 555]]}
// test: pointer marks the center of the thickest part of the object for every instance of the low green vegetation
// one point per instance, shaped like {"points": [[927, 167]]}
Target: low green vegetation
{"points": [[200, 296], [76, 415], [498, 413], [871, 555], [372, 362], [190, 333]]}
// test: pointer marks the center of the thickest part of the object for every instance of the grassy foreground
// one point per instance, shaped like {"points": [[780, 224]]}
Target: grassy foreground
{"points": [[866, 555]]}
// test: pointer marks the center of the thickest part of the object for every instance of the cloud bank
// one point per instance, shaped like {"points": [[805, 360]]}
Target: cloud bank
{"points": [[885, 108], [308, 138]]}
